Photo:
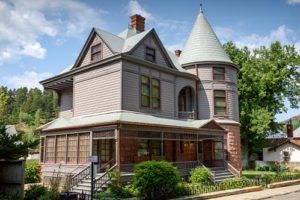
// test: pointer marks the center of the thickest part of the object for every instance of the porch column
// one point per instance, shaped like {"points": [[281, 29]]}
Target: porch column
{"points": [[162, 146], [197, 149], [91, 143], [118, 150]]}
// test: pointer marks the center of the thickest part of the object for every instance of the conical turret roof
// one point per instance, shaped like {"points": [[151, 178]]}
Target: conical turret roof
{"points": [[202, 44]]}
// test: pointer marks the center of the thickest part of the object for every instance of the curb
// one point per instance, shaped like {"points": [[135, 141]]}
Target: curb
{"points": [[221, 193], [283, 184]]}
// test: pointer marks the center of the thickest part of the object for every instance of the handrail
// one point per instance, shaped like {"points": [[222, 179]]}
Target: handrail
{"points": [[106, 164], [212, 174], [76, 178], [103, 179], [232, 169]]}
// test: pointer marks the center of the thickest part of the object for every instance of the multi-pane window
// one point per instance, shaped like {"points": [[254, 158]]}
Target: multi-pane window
{"points": [[150, 96], [96, 52], [61, 148], [219, 151], [84, 147], [150, 54], [220, 102], [42, 149], [72, 148], [50, 149], [218, 73], [155, 84], [145, 93]]}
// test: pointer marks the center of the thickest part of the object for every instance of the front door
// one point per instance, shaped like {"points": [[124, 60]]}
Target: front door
{"points": [[207, 152], [189, 151], [105, 154]]}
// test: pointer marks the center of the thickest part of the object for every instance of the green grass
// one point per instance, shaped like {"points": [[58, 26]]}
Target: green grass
{"points": [[253, 174]]}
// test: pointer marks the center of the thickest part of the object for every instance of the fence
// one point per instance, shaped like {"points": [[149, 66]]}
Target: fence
{"points": [[12, 178]]}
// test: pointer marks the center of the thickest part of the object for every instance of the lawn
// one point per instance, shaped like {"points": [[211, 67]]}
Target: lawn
{"points": [[253, 174]]}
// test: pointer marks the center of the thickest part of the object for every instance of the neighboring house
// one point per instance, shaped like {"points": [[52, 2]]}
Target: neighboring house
{"points": [[127, 99], [283, 149]]}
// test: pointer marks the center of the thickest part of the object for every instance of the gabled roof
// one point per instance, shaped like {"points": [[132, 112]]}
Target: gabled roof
{"points": [[202, 44], [285, 141], [126, 117], [115, 43]]}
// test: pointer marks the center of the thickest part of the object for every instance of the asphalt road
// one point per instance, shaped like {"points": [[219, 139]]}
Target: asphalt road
{"points": [[291, 196]]}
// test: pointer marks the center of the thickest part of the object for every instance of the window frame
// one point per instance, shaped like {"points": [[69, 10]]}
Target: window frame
{"points": [[148, 85], [50, 140], [150, 54], [159, 95], [93, 53], [214, 74], [225, 101]]}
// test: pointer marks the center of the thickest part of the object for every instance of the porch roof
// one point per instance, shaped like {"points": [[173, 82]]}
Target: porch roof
{"points": [[125, 117]]}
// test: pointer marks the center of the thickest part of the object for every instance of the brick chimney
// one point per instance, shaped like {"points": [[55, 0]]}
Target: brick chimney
{"points": [[177, 52], [138, 23], [289, 130]]}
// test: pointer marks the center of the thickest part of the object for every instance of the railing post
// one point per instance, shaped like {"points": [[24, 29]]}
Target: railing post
{"points": [[118, 150]]}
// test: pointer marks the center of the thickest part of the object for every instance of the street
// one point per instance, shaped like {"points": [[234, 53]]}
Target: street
{"points": [[291, 196]]}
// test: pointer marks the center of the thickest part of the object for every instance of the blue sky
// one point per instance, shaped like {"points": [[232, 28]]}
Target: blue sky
{"points": [[39, 39]]}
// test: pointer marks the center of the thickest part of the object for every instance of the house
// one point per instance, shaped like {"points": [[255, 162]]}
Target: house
{"points": [[284, 149], [127, 99]]}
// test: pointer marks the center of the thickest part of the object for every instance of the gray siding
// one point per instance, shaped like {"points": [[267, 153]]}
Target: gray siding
{"points": [[151, 42], [207, 86], [106, 52], [131, 89], [66, 104], [98, 90]]}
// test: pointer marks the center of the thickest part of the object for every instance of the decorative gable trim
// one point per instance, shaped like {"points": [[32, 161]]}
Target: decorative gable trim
{"points": [[86, 46], [212, 124], [160, 45]]}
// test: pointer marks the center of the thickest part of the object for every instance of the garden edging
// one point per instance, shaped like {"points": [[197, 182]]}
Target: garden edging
{"points": [[221, 193], [283, 184]]}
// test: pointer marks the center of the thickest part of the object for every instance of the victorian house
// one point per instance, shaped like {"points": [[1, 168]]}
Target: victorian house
{"points": [[128, 99]]}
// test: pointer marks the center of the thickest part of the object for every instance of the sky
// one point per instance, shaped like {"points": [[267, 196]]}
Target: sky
{"points": [[39, 39]]}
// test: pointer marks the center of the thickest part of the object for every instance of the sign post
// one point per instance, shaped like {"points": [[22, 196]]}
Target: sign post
{"points": [[93, 160]]}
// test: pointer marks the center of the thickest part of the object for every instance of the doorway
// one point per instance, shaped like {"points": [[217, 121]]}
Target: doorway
{"points": [[106, 152]]}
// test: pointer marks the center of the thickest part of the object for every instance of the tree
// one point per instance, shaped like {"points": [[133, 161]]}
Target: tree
{"points": [[15, 146], [3, 103], [267, 76]]}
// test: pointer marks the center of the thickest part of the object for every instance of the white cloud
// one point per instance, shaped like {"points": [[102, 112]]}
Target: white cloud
{"points": [[34, 50], [28, 79], [282, 34], [23, 24], [135, 8], [292, 2]]}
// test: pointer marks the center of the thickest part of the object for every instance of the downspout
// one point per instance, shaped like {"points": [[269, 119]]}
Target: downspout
{"points": [[196, 93]]}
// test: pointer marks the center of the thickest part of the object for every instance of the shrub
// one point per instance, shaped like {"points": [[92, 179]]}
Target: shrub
{"points": [[114, 193], [35, 192], [201, 175], [32, 172], [155, 179], [232, 183]]}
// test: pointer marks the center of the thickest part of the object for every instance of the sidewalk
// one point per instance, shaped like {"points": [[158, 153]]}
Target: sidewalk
{"points": [[262, 194]]}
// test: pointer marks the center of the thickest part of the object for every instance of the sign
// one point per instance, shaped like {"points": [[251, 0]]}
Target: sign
{"points": [[93, 159]]}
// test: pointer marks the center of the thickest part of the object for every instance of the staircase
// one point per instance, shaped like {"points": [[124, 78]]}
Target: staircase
{"points": [[220, 173], [84, 186]]}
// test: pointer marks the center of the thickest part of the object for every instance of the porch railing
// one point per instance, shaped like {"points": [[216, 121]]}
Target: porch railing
{"points": [[80, 176], [103, 180], [186, 114], [232, 169]]}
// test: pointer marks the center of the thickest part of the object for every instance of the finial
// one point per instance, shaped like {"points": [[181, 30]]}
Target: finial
{"points": [[201, 8]]}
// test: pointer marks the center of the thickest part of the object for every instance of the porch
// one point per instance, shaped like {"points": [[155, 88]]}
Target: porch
{"points": [[125, 148]]}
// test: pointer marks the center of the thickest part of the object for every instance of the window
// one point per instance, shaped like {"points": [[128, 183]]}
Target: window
{"points": [[72, 149], [146, 94], [149, 150], [150, 54], [220, 102], [219, 73], [50, 149], [155, 84], [145, 98], [84, 147], [219, 151], [61, 148], [96, 52], [42, 149]]}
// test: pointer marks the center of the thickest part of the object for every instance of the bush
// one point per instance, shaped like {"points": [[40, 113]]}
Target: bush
{"points": [[201, 175], [233, 183], [32, 172], [114, 193], [35, 192], [155, 179]]}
